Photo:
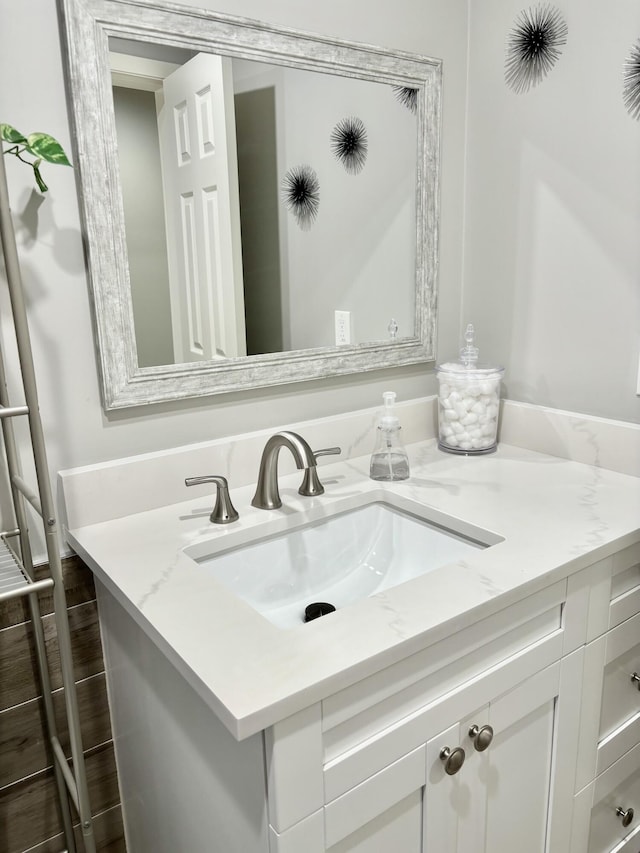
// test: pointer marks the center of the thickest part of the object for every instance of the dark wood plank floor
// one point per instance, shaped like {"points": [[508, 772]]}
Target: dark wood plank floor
{"points": [[29, 819]]}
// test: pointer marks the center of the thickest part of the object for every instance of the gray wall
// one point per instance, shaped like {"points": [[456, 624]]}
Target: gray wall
{"points": [[552, 245], [548, 226], [50, 243], [139, 157], [357, 256]]}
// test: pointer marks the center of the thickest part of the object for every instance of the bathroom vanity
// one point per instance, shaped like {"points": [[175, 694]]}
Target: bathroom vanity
{"points": [[490, 704]]}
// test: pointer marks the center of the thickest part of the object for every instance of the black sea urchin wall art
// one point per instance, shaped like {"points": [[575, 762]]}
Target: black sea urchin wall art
{"points": [[631, 90], [349, 144], [301, 193], [533, 46], [407, 96]]}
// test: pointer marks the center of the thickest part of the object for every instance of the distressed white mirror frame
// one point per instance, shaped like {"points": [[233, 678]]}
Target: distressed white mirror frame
{"points": [[86, 26]]}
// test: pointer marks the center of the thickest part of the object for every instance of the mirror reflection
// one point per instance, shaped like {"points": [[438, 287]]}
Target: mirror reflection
{"points": [[320, 225], [213, 151]]}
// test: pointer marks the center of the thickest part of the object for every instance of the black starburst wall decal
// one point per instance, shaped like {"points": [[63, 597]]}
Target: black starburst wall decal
{"points": [[301, 193], [407, 96], [534, 46], [631, 90], [349, 144]]}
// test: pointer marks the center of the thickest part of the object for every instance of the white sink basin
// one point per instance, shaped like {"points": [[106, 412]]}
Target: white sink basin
{"points": [[339, 560]]}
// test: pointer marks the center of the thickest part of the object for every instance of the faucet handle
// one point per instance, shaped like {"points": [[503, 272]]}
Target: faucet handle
{"points": [[224, 511], [311, 484], [327, 451]]}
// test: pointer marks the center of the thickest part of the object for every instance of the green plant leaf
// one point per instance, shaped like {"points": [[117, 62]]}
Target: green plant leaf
{"points": [[10, 134], [49, 149]]}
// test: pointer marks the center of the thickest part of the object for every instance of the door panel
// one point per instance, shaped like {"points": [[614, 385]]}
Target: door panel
{"points": [[397, 830], [448, 797], [499, 799], [383, 813], [196, 127], [518, 783]]}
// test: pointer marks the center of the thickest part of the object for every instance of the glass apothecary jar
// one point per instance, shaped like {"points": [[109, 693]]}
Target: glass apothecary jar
{"points": [[468, 402]]}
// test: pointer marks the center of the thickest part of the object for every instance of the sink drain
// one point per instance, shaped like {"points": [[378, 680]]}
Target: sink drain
{"points": [[317, 609]]}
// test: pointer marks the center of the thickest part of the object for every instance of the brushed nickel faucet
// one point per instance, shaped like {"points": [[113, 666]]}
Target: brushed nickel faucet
{"points": [[267, 494], [224, 511]]}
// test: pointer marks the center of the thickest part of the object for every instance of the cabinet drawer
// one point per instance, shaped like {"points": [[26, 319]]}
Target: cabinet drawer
{"points": [[610, 713], [351, 768], [620, 694], [621, 740], [617, 788], [625, 585], [360, 712]]}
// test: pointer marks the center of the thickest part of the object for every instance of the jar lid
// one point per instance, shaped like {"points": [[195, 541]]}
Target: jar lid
{"points": [[468, 366]]}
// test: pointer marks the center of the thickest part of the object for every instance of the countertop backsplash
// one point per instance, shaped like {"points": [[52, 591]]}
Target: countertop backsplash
{"points": [[119, 488]]}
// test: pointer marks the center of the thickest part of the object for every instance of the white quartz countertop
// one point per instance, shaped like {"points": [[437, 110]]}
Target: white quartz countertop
{"points": [[554, 516]]}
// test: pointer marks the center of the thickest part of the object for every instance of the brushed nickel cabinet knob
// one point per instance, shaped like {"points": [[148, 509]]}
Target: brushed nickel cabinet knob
{"points": [[453, 759], [481, 737], [625, 815]]}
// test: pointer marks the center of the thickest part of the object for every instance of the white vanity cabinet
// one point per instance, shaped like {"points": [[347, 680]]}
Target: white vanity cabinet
{"points": [[502, 695], [235, 736], [606, 816], [364, 769]]}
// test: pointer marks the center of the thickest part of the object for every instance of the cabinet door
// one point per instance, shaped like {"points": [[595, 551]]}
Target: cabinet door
{"points": [[385, 813], [499, 798], [450, 794], [517, 779], [398, 828]]}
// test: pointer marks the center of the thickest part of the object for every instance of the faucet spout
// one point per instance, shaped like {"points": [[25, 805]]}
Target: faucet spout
{"points": [[267, 494]]}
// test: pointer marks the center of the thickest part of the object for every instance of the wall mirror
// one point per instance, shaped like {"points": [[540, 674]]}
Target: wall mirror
{"points": [[260, 205]]}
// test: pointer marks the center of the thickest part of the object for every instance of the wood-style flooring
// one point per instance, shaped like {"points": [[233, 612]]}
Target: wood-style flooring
{"points": [[29, 819]]}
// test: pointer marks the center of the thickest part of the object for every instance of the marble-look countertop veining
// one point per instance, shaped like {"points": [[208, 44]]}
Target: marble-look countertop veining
{"points": [[555, 517]]}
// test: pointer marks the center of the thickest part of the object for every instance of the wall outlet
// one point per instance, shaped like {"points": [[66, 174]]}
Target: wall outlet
{"points": [[342, 320]]}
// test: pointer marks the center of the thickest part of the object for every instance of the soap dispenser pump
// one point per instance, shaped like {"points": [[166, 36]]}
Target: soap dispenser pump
{"points": [[389, 459]]}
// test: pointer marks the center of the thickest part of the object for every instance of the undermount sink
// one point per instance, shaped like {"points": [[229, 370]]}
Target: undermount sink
{"points": [[338, 560]]}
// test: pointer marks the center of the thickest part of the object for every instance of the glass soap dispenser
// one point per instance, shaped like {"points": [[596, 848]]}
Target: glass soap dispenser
{"points": [[389, 460]]}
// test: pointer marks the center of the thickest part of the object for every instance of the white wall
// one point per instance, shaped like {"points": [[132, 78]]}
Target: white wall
{"points": [[552, 266], [50, 245]]}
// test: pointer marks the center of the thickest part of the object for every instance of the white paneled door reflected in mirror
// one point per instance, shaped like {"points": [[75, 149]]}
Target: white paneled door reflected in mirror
{"points": [[260, 205]]}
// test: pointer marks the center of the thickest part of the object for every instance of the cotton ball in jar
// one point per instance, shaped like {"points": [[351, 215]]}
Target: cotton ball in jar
{"points": [[468, 409]]}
